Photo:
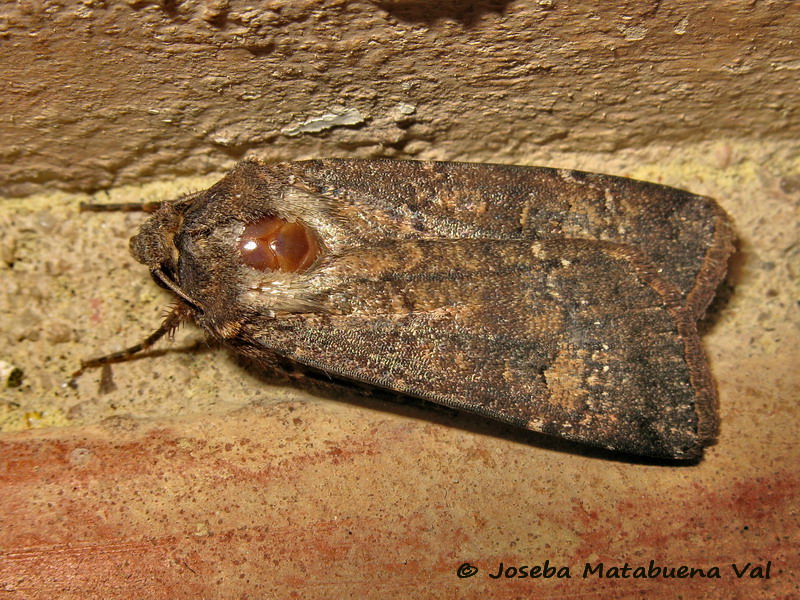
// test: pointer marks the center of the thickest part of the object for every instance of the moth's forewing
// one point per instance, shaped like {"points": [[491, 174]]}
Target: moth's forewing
{"points": [[687, 237], [568, 337]]}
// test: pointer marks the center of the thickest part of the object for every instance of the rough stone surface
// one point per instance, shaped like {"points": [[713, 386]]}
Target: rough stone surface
{"points": [[198, 478], [98, 94]]}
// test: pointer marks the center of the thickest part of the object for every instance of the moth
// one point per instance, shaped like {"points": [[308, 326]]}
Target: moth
{"points": [[559, 301]]}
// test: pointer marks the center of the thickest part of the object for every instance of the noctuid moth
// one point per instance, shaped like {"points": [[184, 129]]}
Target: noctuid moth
{"points": [[559, 301]]}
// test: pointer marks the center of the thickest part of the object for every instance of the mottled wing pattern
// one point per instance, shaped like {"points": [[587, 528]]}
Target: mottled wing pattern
{"points": [[569, 337], [686, 237]]}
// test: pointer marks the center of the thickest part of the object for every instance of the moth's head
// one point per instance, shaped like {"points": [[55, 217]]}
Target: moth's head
{"points": [[154, 245]]}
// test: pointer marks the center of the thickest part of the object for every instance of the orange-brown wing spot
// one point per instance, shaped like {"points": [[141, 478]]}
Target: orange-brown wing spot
{"points": [[275, 244]]}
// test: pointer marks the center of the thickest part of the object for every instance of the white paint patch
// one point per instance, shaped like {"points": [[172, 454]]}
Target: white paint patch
{"points": [[338, 117]]}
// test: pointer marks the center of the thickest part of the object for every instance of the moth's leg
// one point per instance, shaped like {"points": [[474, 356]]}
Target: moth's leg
{"points": [[180, 312], [148, 207]]}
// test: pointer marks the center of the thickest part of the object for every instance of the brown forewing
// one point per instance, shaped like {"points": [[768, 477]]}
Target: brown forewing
{"points": [[568, 337]]}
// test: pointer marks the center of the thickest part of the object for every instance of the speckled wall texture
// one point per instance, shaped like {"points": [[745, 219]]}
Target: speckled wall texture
{"points": [[198, 477]]}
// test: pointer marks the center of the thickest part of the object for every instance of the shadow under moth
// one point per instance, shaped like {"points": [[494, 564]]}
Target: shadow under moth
{"points": [[559, 301]]}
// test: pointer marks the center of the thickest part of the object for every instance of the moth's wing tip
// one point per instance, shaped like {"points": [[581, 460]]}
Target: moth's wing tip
{"points": [[688, 447]]}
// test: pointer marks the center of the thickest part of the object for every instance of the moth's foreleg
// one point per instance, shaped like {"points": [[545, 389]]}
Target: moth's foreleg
{"points": [[181, 312]]}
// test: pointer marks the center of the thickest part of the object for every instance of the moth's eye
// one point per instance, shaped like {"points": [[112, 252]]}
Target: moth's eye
{"points": [[275, 244]]}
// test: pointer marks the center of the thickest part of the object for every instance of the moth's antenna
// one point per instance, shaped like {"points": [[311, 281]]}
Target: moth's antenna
{"points": [[173, 287], [148, 207], [180, 312]]}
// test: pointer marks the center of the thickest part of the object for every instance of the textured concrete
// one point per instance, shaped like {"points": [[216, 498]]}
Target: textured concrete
{"points": [[196, 477], [99, 94]]}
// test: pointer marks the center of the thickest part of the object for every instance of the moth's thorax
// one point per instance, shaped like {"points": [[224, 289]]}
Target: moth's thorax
{"points": [[240, 265]]}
